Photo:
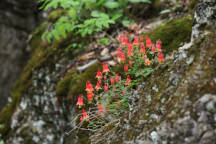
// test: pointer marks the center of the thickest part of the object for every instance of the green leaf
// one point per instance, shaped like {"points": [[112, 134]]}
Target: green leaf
{"points": [[126, 23], [111, 4], [104, 41], [137, 1]]}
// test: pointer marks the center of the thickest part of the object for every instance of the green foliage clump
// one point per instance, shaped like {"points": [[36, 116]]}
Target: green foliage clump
{"points": [[85, 17]]}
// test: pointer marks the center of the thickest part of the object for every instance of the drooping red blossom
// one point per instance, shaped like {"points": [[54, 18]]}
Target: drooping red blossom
{"points": [[128, 81], [130, 50], [118, 102], [153, 48], [120, 37], [141, 38], [142, 49], [148, 42], [99, 75], [147, 62], [122, 57], [130, 63], [158, 45], [105, 68], [117, 77], [105, 77], [89, 87], [160, 57], [100, 109], [98, 86], [136, 40], [119, 52], [80, 101], [112, 80], [124, 41], [125, 68], [90, 96], [106, 87], [84, 115]]}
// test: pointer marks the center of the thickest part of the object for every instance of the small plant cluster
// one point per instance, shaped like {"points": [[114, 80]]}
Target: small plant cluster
{"points": [[85, 17], [109, 98]]}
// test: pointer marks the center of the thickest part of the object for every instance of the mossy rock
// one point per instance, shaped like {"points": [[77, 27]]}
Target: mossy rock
{"points": [[172, 33]]}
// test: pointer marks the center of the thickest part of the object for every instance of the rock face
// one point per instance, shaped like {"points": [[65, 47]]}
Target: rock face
{"points": [[17, 20], [175, 105]]}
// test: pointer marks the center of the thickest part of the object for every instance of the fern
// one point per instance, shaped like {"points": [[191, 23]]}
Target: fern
{"points": [[85, 17]]}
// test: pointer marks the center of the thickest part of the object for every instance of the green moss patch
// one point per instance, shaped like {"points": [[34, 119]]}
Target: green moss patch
{"points": [[172, 33]]}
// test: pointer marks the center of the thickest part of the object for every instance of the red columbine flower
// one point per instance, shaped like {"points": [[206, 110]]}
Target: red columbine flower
{"points": [[112, 80], [119, 52], [98, 86], [136, 40], [124, 41], [125, 68], [89, 87], [90, 96], [158, 45], [147, 62], [153, 48], [120, 37], [84, 115], [130, 63], [128, 81], [148, 42], [142, 50], [105, 68], [141, 38], [106, 87], [160, 57], [122, 57], [80, 101], [99, 75], [100, 109], [117, 77]]}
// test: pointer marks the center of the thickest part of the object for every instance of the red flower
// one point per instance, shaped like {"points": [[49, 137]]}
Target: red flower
{"points": [[153, 48], [124, 41], [148, 42], [90, 96], [143, 48], [158, 45], [147, 62], [125, 68], [120, 37], [128, 81], [136, 40], [130, 63], [89, 87], [105, 68], [84, 115], [117, 77], [112, 80], [99, 75], [119, 52], [141, 38], [122, 57], [100, 109], [98, 86], [160, 57], [106, 87], [80, 101]]}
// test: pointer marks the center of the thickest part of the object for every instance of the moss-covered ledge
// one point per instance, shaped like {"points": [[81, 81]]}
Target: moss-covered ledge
{"points": [[173, 33]]}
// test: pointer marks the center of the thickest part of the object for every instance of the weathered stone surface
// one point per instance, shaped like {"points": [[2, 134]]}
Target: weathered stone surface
{"points": [[17, 20]]}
